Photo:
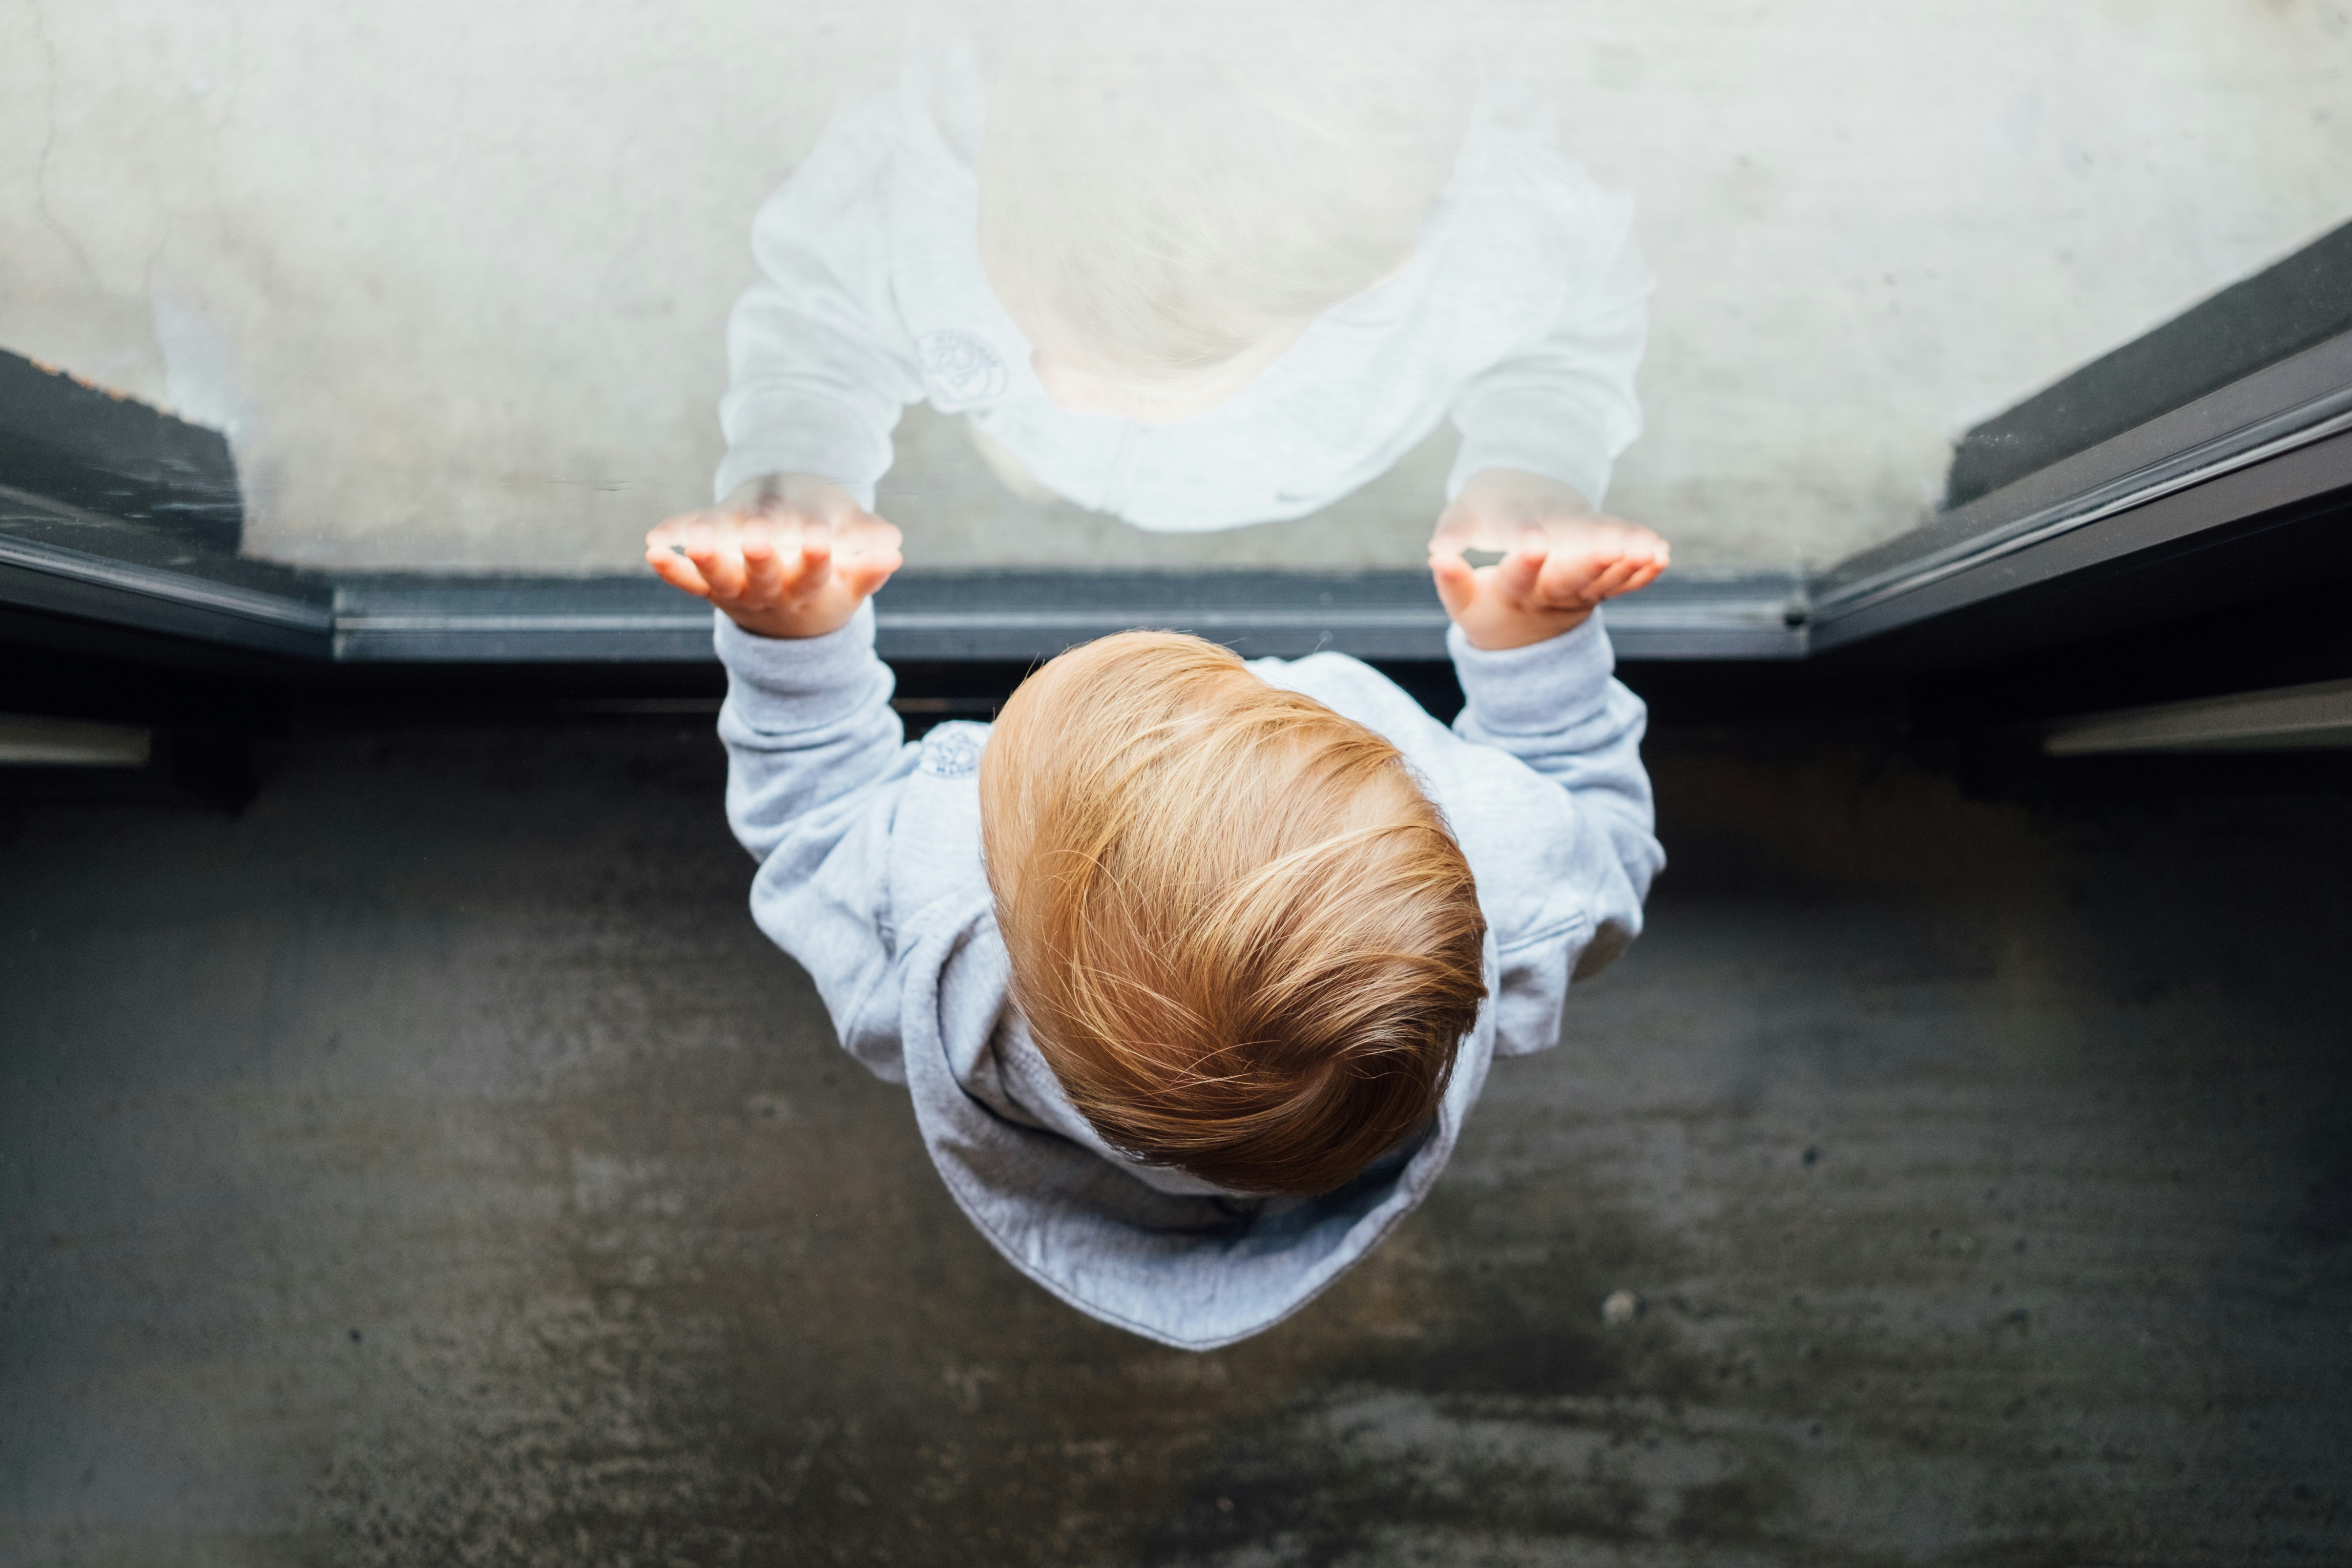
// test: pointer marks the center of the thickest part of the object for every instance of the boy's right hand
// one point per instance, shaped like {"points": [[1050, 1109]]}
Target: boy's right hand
{"points": [[787, 556], [1561, 560]]}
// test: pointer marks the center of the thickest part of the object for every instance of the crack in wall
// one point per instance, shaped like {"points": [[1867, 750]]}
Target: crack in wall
{"points": [[48, 145]]}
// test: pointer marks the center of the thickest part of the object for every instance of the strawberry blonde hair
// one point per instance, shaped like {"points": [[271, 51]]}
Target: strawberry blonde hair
{"points": [[1241, 935]]}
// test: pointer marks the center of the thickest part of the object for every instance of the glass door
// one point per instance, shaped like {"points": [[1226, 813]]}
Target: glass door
{"points": [[356, 334]]}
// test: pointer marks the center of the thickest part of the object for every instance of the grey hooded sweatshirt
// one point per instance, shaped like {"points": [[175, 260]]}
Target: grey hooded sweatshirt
{"points": [[870, 876]]}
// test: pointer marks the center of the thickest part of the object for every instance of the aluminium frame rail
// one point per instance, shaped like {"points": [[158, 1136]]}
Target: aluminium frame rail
{"points": [[2273, 441]]}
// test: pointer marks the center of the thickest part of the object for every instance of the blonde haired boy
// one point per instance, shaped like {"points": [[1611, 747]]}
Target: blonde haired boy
{"points": [[1191, 968]]}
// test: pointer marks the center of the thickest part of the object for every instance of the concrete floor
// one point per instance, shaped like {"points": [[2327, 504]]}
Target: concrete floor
{"points": [[455, 276], [432, 1164]]}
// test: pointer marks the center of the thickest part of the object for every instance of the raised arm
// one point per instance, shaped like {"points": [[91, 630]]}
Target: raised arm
{"points": [[814, 754], [1536, 668], [1555, 706]]}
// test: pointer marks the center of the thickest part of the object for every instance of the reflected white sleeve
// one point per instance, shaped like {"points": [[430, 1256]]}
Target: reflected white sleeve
{"points": [[1563, 404], [819, 362]]}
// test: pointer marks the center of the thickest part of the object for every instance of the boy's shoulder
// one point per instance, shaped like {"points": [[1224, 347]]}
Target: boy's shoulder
{"points": [[1517, 828], [935, 828], [1463, 775], [1349, 685]]}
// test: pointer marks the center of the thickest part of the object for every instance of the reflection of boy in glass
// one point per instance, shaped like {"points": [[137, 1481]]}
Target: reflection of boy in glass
{"points": [[1195, 288]]}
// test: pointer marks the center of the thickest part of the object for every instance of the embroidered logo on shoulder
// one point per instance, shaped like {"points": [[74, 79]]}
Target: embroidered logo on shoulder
{"points": [[952, 752], [960, 367]]}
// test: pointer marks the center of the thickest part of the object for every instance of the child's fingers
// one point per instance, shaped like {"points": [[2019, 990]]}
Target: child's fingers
{"points": [[1643, 547], [721, 570], [1518, 575], [717, 556], [863, 575], [1611, 581], [1648, 573], [816, 550], [1457, 583], [815, 568], [1568, 581], [866, 551], [676, 571], [763, 566]]}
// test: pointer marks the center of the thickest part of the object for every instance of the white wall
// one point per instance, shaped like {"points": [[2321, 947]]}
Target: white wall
{"points": [[454, 275], [1880, 221]]}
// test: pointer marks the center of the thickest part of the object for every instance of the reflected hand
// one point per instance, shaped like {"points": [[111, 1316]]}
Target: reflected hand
{"points": [[1561, 559], [787, 556]]}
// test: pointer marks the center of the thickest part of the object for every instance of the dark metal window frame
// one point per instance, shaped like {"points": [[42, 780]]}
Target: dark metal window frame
{"points": [[2137, 458]]}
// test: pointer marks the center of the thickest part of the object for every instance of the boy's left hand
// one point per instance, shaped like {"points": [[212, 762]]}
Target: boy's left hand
{"points": [[1561, 559], [793, 557]]}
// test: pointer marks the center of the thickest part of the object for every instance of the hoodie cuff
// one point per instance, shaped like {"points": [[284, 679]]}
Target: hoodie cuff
{"points": [[1540, 688], [792, 683]]}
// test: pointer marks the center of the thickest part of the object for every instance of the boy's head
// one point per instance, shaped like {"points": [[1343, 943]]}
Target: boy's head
{"points": [[1169, 196], [1241, 934]]}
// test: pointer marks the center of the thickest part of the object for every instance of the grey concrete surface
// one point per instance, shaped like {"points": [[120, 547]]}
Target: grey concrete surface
{"points": [[453, 276], [432, 1165]]}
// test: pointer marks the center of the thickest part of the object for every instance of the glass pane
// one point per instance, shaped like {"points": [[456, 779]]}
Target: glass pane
{"points": [[456, 279]]}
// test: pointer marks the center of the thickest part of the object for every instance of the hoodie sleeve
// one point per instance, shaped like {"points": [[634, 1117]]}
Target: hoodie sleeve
{"points": [[819, 362], [1556, 707], [815, 764]]}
